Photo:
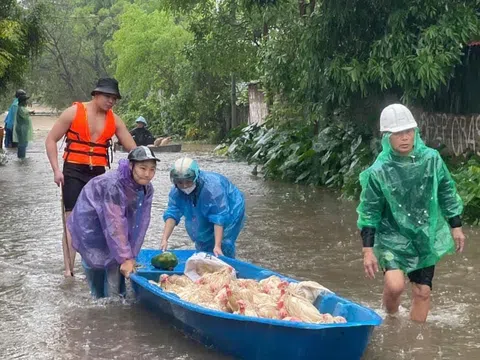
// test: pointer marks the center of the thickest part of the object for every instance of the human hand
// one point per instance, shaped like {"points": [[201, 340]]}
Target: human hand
{"points": [[370, 263], [217, 250], [127, 268], [58, 178], [164, 245], [459, 238]]}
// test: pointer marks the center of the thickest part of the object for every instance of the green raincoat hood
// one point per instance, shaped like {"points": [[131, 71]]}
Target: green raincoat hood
{"points": [[419, 147]]}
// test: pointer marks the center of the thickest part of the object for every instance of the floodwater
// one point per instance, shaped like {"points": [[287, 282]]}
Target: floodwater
{"points": [[298, 231]]}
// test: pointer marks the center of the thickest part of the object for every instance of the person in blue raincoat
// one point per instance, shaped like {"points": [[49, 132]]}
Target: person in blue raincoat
{"points": [[214, 208], [110, 219]]}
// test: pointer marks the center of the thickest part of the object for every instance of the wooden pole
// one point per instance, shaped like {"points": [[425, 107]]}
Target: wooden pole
{"points": [[66, 248], [233, 120]]}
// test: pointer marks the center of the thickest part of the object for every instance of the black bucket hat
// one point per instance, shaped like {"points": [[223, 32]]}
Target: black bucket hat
{"points": [[20, 92], [107, 86], [23, 97]]}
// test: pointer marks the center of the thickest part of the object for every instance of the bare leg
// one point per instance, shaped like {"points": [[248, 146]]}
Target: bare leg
{"points": [[420, 302], [392, 290], [68, 251]]}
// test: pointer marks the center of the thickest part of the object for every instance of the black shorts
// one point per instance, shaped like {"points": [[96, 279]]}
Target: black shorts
{"points": [[422, 276], [76, 177]]}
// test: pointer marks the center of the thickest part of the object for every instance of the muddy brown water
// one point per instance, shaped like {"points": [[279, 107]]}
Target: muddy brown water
{"points": [[299, 231]]}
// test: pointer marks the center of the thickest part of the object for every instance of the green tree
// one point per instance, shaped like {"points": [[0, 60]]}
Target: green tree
{"points": [[150, 43], [224, 50], [349, 55], [186, 55], [20, 40], [73, 57]]}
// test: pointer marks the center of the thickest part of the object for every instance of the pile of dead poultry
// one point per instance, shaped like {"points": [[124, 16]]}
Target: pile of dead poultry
{"points": [[271, 298]]}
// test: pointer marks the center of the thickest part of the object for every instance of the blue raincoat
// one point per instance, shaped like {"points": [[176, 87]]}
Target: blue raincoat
{"points": [[12, 115], [215, 200], [10, 123], [111, 217]]}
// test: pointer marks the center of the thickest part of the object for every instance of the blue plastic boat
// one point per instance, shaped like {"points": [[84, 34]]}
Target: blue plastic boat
{"points": [[245, 337]]}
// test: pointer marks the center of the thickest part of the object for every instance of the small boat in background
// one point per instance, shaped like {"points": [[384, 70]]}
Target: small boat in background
{"points": [[162, 148]]}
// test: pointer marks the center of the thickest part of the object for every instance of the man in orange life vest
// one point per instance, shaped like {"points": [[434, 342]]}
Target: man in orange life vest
{"points": [[88, 128]]}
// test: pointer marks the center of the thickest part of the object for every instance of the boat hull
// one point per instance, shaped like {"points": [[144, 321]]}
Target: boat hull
{"points": [[252, 338]]}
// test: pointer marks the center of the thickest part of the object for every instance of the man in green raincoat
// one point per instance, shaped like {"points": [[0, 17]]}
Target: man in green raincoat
{"points": [[409, 213], [22, 127]]}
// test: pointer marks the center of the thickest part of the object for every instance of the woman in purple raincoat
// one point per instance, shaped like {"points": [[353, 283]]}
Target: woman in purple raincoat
{"points": [[110, 219]]}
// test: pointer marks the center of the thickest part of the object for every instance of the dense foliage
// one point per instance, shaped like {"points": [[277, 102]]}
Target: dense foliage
{"points": [[20, 40], [327, 68]]}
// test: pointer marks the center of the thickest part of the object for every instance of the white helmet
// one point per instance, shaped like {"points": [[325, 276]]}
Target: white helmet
{"points": [[184, 169], [396, 118]]}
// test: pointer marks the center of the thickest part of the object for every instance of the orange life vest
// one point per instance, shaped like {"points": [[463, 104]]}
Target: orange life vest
{"points": [[80, 149]]}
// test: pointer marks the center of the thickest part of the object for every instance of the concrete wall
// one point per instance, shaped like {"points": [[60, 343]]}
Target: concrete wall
{"points": [[258, 110]]}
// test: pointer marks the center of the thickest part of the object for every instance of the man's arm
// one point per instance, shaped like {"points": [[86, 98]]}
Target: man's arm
{"points": [[58, 130], [218, 234], [451, 204], [123, 134], [115, 229], [370, 210], [170, 224]]}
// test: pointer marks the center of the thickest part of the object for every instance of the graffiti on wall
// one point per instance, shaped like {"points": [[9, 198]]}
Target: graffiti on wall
{"points": [[459, 133]]}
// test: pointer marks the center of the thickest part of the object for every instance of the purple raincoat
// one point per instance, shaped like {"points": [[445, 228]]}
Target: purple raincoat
{"points": [[111, 217]]}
